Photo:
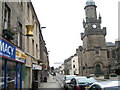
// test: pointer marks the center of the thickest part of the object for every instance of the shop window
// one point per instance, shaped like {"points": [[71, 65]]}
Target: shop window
{"points": [[18, 70], [1, 72], [1, 68], [11, 74]]}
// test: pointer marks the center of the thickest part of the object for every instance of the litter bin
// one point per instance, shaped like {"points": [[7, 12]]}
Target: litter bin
{"points": [[35, 85]]}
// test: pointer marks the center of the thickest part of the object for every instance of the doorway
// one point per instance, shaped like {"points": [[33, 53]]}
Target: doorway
{"points": [[98, 69]]}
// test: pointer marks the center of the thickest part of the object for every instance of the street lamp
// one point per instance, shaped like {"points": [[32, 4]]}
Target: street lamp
{"points": [[42, 27]]}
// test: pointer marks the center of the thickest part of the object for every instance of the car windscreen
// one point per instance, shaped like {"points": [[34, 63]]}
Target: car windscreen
{"points": [[86, 80], [69, 78]]}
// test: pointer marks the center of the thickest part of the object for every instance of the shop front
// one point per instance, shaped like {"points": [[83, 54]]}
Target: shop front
{"points": [[11, 62], [36, 70]]}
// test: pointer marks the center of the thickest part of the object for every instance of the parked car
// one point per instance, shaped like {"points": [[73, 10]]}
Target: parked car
{"points": [[105, 85], [67, 80], [10, 83], [81, 83]]}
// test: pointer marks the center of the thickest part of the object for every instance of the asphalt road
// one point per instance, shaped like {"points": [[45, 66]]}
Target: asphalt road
{"points": [[60, 79]]}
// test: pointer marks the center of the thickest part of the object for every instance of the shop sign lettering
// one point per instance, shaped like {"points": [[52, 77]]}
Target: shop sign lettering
{"points": [[7, 49]]}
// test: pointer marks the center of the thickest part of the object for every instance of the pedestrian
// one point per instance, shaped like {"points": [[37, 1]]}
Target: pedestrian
{"points": [[45, 76], [54, 74]]}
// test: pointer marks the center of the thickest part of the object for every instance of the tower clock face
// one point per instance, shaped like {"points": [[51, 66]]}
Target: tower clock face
{"points": [[94, 26]]}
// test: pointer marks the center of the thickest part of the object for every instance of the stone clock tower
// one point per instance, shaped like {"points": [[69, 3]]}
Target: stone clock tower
{"points": [[94, 55]]}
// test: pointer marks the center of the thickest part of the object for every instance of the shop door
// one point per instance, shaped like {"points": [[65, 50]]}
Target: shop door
{"points": [[19, 76]]}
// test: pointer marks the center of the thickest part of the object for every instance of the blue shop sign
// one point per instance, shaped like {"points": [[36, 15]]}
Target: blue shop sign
{"points": [[8, 51]]}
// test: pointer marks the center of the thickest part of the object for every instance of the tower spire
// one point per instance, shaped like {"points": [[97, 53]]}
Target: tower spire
{"points": [[83, 21], [99, 16], [90, 9]]}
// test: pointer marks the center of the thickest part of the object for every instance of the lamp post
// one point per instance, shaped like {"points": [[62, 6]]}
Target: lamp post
{"points": [[42, 27]]}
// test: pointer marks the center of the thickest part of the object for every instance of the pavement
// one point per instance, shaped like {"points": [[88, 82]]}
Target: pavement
{"points": [[51, 83]]}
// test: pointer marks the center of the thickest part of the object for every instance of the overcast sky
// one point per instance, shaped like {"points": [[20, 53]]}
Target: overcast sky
{"points": [[63, 21]]}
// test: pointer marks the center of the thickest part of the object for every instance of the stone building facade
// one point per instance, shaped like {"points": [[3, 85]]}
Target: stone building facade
{"points": [[18, 17], [74, 65], [71, 65], [61, 69], [96, 56], [113, 56], [32, 47], [67, 66], [12, 26], [94, 53], [44, 57]]}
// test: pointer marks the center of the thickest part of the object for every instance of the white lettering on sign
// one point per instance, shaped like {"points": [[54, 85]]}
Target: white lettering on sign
{"points": [[6, 48]]}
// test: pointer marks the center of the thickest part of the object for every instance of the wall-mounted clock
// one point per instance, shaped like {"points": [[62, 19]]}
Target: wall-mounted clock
{"points": [[94, 26]]}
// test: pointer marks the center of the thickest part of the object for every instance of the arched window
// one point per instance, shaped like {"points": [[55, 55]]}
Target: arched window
{"points": [[113, 54], [96, 51]]}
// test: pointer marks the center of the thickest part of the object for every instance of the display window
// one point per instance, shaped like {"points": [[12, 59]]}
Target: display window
{"points": [[19, 75], [11, 60], [11, 74], [1, 74]]}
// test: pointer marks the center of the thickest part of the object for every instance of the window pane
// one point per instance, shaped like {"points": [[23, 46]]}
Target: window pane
{"points": [[108, 54], [11, 76], [19, 69], [113, 54], [1, 74]]}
